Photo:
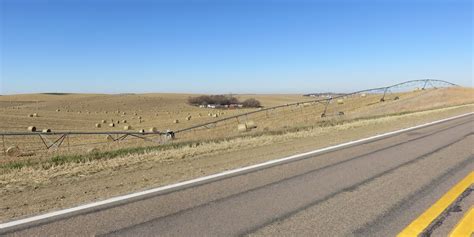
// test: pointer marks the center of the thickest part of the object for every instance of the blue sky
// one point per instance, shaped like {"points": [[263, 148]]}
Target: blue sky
{"points": [[231, 46]]}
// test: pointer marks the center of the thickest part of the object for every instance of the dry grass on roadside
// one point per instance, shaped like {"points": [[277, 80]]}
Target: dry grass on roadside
{"points": [[39, 173]]}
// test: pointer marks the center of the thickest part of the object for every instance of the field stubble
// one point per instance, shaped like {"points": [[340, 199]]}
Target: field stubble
{"points": [[61, 183]]}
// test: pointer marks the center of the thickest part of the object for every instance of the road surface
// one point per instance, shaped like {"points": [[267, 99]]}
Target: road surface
{"points": [[372, 189]]}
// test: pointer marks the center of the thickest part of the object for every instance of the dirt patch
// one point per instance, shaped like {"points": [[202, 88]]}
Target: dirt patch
{"points": [[29, 191]]}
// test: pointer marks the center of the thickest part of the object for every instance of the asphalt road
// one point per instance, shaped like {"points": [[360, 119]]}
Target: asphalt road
{"points": [[371, 189]]}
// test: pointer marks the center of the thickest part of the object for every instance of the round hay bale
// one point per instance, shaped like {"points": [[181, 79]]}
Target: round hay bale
{"points": [[118, 121], [241, 127], [46, 130], [30, 115], [35, 115], [215, 115], [176, 121], [153, 129], [250, 124], [98, 125], [58, 110], [104, 121], [124, 121], [188, 117], [139, 117], [13, 151], [127, 127], [340, 101], [141, 131], [209, 114], [93, 150], [32, 128], [112, 125]]}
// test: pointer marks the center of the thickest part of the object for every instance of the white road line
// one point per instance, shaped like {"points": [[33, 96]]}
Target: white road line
{"points": [[210, 177]]}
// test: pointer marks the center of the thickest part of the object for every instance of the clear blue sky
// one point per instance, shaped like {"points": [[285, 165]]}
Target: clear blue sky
{"points": [[231, 46]]}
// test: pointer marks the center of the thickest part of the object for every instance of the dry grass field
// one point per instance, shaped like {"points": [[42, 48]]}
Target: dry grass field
{"points": [[82, 112], [42, 181]]}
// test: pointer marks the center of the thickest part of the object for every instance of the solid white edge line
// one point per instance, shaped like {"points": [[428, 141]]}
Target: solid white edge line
{"points": [[204, 178]]}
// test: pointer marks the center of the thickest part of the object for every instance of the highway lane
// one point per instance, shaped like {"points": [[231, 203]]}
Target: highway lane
{"points": [[370, 189]]}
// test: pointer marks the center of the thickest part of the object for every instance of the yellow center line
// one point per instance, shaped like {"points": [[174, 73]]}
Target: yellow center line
{"points": [[465, 227], [417, 226]]}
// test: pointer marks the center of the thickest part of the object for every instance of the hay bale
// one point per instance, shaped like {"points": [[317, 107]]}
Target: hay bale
{"points": [[139, 117], [241, 127], [153, 129], [340, 101], [30, 115], [58, 110], [112, 125], [118, 121], [188, 117], [250, 124], [141, 131], [35, 115], [46, 130], [13, 151], [363, 95], [215, 116], [176, 121], [93, 150], [32, 128], [124, 121], [127, 127], [98, 125], [104, 121], [209, 114]]}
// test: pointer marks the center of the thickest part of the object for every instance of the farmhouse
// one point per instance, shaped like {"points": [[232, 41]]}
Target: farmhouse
{"points": [[214, 106]]}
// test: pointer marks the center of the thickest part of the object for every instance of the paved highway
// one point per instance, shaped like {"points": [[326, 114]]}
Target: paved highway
{"points": [[375, 188]]}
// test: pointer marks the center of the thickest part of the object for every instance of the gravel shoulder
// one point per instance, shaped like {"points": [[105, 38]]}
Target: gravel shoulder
{"points": [[29, 191]]}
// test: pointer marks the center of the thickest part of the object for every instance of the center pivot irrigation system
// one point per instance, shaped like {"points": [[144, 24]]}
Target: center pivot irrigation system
{"points": [[169, 134]]}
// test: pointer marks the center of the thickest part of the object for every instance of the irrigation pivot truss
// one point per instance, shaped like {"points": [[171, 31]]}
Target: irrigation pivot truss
{"points": [[55, 139], [422, 84]]}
